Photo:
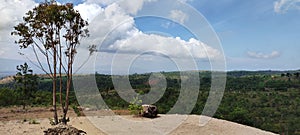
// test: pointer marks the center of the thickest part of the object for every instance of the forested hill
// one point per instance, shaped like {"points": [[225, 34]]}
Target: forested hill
{"points": [[263, 72], [240, 73], [269, 100]]}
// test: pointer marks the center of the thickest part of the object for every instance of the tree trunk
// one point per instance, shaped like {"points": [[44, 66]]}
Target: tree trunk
{"points": [[24, 94], [60, 69], [66, 108], [69, 79], [54, 87], [54, 102]]}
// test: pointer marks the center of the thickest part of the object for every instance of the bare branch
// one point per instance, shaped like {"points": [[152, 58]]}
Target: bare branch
{"points": [[39, 62], [34, 63]]}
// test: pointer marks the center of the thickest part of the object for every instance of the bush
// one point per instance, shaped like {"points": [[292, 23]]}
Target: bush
{"points": [[8, 97], [135, 106], [76, 110]]}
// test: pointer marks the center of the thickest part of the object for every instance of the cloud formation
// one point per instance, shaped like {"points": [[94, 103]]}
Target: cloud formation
{"points": [[179, 16], [186, 1], [11, 12], [88, 11], [259, 55], [116, 28], [171, 47], [112, 23], [282, 6]]}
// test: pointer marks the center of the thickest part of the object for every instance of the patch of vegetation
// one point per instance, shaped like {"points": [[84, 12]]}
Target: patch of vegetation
{"points": [[51, 121], [265, 99], [135, 106], [76, 110], [33, 121]]}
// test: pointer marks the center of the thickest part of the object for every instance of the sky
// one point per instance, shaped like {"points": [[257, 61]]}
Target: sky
{"points": [[138, 36]]}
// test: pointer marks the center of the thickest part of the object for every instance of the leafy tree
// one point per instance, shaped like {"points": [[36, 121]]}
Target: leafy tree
{"points": [[54, 32], [26, 83]]}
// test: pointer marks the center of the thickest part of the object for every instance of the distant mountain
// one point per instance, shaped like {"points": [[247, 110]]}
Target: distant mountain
{"points": [[8, 66], [262, 72], [5, 74]]}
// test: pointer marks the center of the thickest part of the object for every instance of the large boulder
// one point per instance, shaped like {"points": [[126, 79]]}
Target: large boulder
{"points": [[149, 111]]}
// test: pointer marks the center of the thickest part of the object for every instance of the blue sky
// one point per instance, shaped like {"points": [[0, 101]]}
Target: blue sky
{"points": [[254, 35], [254, 26]]}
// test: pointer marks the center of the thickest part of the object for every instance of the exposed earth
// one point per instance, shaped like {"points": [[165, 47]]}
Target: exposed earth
{"points": [[36, 120]]}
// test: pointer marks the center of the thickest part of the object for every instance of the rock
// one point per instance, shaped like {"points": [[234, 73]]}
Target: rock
{"points": [[149, 111]]}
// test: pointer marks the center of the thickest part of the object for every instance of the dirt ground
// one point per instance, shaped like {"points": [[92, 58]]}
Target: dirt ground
{"points": [[17, 113], [33, 122]]}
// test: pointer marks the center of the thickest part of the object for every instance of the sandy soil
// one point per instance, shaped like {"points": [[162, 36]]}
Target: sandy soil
{"points": [[16, 113], [12, 122]]}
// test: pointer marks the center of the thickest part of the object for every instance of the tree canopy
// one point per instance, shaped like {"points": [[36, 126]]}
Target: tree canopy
{"points": [[53, 31]]}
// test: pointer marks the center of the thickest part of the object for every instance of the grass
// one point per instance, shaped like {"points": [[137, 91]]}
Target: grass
{"points": [[33, 121]]}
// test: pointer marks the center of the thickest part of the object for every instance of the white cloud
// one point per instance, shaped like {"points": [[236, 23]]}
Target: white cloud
{"points": [[169, 46], [88, 11], [133, 6], [179, 16], [101, 2], [108, 17], [260, 55], [186, 1], [281, 6], [11, 12], [105, 21], [126, 38], [114, 27]]}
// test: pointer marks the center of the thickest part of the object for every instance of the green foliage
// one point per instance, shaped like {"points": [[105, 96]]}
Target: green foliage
{"points": [[278, 84], [46, 21], [240, 115], [51, 121], [54, 31], [26, 84], [8, 97], [252, 99], [42, 98], [76, 110], [135, 106], [33, 121]]}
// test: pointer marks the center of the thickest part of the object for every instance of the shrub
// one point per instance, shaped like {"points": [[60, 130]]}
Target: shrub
{"points": [[135, 106], [33, 121]]}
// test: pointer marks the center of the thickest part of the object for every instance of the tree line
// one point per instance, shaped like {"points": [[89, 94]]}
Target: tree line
{"points": [[269, 102]]}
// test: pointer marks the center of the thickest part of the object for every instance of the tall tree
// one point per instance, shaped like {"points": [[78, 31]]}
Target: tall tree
{"points": [[54, 32], [26, 83]]}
